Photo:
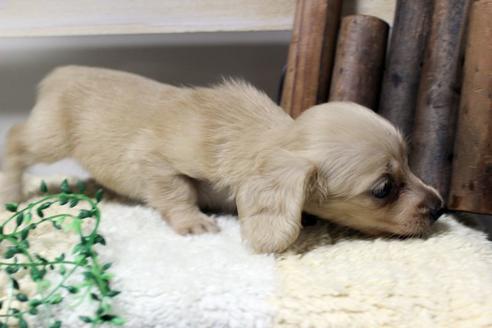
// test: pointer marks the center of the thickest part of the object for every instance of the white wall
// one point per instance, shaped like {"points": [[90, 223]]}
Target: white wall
{"points": [[197, 59]]}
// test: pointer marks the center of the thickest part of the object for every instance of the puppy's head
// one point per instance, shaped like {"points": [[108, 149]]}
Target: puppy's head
{"points": [[362, 179]]}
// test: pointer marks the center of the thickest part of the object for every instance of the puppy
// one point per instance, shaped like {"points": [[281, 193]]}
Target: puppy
{"points": [[226, 147]]}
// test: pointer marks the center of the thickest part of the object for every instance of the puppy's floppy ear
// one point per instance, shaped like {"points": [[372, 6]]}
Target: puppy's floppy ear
{"points": [[270, 203]]}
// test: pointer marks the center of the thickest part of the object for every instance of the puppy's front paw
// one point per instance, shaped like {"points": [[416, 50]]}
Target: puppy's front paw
{"points": [[268, 233], [194, 225]]}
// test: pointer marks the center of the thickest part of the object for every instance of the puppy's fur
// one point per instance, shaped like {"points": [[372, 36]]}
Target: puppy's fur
{"points": [[225, 147]]}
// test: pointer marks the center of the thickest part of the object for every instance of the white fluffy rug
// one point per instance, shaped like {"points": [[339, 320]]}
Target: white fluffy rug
{"points": [[330, 278]]}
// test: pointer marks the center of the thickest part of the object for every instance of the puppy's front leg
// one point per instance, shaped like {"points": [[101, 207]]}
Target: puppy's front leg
{"points": [[270, 204], [175, 197]]}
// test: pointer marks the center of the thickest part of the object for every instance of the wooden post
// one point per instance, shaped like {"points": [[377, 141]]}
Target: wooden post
{"points": [[311, 54], [406, 53], [359, 60], [433, 135], [471, 183]]}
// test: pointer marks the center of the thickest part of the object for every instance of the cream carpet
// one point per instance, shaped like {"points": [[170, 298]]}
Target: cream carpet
{"points": [[330, 278]]}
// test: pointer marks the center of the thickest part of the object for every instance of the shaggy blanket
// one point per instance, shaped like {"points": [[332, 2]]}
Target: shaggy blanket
{"points": [[331, 277]]}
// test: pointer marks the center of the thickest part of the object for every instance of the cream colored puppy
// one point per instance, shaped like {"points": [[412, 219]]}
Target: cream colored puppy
{"points": [[178, 149]]}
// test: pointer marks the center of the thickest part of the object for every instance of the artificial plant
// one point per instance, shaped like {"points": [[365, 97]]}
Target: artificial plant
{"points": [[83, 262]]}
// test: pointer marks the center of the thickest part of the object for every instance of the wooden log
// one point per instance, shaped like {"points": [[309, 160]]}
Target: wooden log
{"points": [[311, 54], [433, 135], [406, 53], [471, 183], [359, 60]]}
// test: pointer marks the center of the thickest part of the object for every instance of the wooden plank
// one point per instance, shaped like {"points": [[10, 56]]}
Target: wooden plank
{"points": [[471, 183], [311, 54], [359, 60], [433, 135], [22, 18], [383, 9], [89, 17], [406, 53]]}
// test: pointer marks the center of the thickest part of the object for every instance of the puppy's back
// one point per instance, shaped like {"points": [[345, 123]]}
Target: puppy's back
{"points": [[128, 120]]}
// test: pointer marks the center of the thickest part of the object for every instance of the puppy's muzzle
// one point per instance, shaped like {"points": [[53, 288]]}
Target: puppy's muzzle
{"points": [[435, 213], [435, 207]]}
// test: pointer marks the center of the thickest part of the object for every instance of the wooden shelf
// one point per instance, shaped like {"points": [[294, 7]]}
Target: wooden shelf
{"points": [[24, 18]]}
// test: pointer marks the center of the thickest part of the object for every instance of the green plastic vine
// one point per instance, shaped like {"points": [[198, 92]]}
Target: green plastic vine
{"points": [[17, 258]]}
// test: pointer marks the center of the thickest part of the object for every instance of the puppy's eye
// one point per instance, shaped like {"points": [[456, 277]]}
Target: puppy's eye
{"points": [[383, 190]]}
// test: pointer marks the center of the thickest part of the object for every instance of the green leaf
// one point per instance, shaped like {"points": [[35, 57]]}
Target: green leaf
{"points": [[76, 225], [10, 253], [81, 260], [118, 321], [85, 319], [27, 218], [19, 219], [36, 274], [33, 311], [43, 187], [40, 212], [106, 266], [114, 293], [23, 323], [85, 214], [74, 202], [107, 317], [24, 233], [107, 276], [13, 268], [56, 324], [65, 188], [60, 258], [11, 207], [35, 303], [77, 248], [43, 285], [81, 186], [99, 240], [44, 206], [56, 225], [72, 289], [14, 282], [89, 276], [95, 297], [63, 199], [24, 244], [41, 258], [99, 195], [21, 297]]}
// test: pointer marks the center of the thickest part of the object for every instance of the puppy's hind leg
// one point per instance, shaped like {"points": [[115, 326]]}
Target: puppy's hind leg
{"points": [[175, 197], [14, 165], [43, 138]]}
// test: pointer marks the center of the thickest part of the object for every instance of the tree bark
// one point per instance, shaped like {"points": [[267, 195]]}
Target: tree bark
{"points": [[406, 53], [359, 60], [311, 52], [433, 133], [471, 183]]}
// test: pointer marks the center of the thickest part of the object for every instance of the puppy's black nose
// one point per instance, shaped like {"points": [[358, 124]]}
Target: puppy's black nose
{"points": [[435, 213]]}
